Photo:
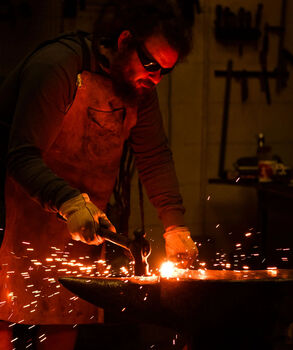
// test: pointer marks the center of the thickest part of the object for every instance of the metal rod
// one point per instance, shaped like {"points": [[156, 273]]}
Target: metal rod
{"points": [[281, 83], [225, 120], [238, 74]]}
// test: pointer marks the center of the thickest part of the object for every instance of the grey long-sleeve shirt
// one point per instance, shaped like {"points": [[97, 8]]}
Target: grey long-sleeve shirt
{"points": [[33, 102]]}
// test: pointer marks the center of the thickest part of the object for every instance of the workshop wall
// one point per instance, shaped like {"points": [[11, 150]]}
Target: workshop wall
{"points": [[23, 25], [234, 208]]}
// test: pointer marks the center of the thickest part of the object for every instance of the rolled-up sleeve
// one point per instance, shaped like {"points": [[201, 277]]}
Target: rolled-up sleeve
{"points": [[155, 164]]}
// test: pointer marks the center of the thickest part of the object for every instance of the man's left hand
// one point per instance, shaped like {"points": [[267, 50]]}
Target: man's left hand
{"points": [[180, 247]]}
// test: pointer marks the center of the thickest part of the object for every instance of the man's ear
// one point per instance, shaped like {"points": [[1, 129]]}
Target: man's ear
{"points": [[123, 38]]}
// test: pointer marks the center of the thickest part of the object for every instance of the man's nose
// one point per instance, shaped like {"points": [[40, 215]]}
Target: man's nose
{"points": [[155, 77]]}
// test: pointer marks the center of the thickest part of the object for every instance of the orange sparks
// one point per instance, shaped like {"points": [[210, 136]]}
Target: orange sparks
{"points": [[10, 296], [124, 269]]}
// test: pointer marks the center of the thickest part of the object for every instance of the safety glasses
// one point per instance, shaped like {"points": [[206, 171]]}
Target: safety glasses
{"points": [[148, 62]]}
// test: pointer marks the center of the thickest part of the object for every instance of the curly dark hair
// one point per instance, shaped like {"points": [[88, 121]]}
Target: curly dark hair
{"points": [[143, 18]]}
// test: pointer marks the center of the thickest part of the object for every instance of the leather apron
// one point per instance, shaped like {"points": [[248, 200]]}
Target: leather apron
{"points": [[37, 248]]}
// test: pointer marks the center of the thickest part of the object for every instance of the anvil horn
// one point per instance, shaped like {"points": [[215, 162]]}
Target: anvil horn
{"points": [[115, 294]]}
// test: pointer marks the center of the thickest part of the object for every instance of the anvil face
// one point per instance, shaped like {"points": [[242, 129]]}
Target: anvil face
{"points": [[192, 300]]}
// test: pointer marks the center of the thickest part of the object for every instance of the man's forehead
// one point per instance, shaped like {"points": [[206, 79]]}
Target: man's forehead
{"points": [[158, 46]]}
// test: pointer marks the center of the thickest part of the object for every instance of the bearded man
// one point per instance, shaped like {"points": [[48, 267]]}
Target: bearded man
{"points": [[68, 108]]}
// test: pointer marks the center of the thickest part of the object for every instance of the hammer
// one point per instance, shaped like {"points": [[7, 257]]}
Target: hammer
{"points": [[139, 247]]}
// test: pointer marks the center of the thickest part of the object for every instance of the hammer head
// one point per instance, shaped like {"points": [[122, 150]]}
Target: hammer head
{"points": [[140, 249]]}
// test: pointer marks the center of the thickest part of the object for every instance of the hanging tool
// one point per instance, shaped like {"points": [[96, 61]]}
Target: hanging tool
{"points": [[222, 173], [288, 55], [264, 82], [258, 16], [231, 28], [244, 87], [197, 6], [281, 83]]}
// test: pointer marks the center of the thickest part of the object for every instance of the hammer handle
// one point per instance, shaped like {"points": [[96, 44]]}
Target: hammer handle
{"points": [[115, 238]]}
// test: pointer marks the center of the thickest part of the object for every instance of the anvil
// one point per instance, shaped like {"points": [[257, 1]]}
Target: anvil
{"points": [[215, 307]]}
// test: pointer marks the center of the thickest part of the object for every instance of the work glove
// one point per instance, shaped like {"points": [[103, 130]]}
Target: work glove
{"points": [[84, 219], [180, 247]]}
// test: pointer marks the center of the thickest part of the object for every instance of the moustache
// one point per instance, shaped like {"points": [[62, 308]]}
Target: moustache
{"points": [[147, 83]]}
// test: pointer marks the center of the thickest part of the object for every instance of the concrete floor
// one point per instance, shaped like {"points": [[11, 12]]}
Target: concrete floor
{"points": [[149, 337]]}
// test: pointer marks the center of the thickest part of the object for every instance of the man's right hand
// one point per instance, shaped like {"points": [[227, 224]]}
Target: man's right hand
{"points": [[84, 219]]}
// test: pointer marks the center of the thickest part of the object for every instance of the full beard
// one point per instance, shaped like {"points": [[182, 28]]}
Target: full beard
{"points": [[122, 83]]}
